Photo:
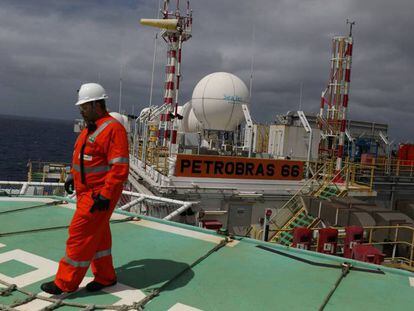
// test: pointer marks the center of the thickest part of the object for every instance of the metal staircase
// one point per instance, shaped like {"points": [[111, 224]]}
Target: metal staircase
{"points": [[294, 212], [300, 219]]}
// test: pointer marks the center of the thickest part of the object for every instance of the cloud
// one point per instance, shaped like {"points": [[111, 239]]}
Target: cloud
{"points": [[50, 47]]}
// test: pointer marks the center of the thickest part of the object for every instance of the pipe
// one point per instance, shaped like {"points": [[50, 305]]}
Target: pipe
{"points": [[183, 208], [31, 183], [155, 198], [130, 204], [24, 188], [309, 153]]}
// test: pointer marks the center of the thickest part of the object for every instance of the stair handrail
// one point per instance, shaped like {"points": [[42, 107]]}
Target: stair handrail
{"points": [[330, 182], [292, 219], [308, 183]]}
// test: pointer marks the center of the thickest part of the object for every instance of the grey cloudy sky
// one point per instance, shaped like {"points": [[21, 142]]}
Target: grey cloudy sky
{"points": [[49, 47]]}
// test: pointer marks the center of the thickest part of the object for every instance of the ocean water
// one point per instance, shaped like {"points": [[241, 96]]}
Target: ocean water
{"points": [[24, 139]]}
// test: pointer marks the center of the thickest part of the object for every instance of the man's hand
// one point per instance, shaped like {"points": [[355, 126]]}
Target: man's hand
{"points": [[69, 184], [100, 203]]}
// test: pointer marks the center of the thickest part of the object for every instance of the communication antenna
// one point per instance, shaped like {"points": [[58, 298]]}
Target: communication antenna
{"points": [[350, 26], [154, 57], [335, 101], [176, 29], [252, 63]]}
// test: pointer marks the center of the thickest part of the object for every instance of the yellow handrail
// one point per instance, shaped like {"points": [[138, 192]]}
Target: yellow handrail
{"points": [[275, 237], [307, 184]]}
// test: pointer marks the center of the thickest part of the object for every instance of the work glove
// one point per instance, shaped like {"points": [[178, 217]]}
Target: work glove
{"points": [[69, 184], [100, 203]]}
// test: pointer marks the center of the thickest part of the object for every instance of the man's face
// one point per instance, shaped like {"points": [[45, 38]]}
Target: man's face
{"points": [[88, 112]]}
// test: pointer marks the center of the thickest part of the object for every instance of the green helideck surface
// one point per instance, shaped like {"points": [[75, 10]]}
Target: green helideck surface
{"points": [[250, 275]]}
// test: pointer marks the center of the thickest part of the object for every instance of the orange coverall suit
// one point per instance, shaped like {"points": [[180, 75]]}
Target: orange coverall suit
{"points": [[105, 169]]}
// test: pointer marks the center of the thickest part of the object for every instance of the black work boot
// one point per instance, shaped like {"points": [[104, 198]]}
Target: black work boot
{"points": [[96, 286], [51, 288]]}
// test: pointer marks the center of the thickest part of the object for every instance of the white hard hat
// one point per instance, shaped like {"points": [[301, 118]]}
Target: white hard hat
{"points": [[89, 92]]}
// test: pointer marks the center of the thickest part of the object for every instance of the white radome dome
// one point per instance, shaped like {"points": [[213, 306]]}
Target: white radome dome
{"points": [[190, 123], [217, 101]]}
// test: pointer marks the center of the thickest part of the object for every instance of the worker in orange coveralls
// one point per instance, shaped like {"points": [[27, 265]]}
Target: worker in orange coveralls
{"points": [[99, 168]]}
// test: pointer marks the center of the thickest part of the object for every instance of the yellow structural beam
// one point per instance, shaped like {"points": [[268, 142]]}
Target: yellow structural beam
{"points": [[169, 24]]}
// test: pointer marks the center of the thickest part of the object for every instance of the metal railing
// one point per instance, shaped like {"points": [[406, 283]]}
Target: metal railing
{"points": [[156, 157], [139, 203], [396, 242], [308, 188], [393, 167], [39, 171], [276, 236], [399, 238], [20, 188]]}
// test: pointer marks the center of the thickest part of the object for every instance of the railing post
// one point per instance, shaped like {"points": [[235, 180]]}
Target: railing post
{"points": [[353, 174], [394, 248], [268, 213], [336, 216], [24, 188], [29, 174], [372, 178], [370, 236], [397, 173], [412, 250], [320, 209], [348, 167]]}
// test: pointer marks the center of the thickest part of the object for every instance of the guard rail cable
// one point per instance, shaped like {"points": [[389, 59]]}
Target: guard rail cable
{"points": [[53, 203], [346, 267]]}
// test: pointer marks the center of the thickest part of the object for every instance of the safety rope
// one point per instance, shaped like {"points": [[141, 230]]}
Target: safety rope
{"points": [[35, 206], [57, 303], [140, 305], [8, 290], [4, 307], [23, 301], [115, 221], [346, 267]]}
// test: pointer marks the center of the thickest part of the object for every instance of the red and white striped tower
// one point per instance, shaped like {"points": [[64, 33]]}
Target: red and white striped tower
{"points": [[169, 89], [334, 102], [176, 30], [174, 38], [345, 99]]}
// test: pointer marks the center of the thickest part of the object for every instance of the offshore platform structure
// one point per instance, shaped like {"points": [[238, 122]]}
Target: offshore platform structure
{"points": [[176, 29], [332, 118]]}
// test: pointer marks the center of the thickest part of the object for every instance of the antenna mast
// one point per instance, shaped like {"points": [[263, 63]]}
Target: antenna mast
{"points": [[252, 64], [176, 29], [332, 117], [351, 24]]}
